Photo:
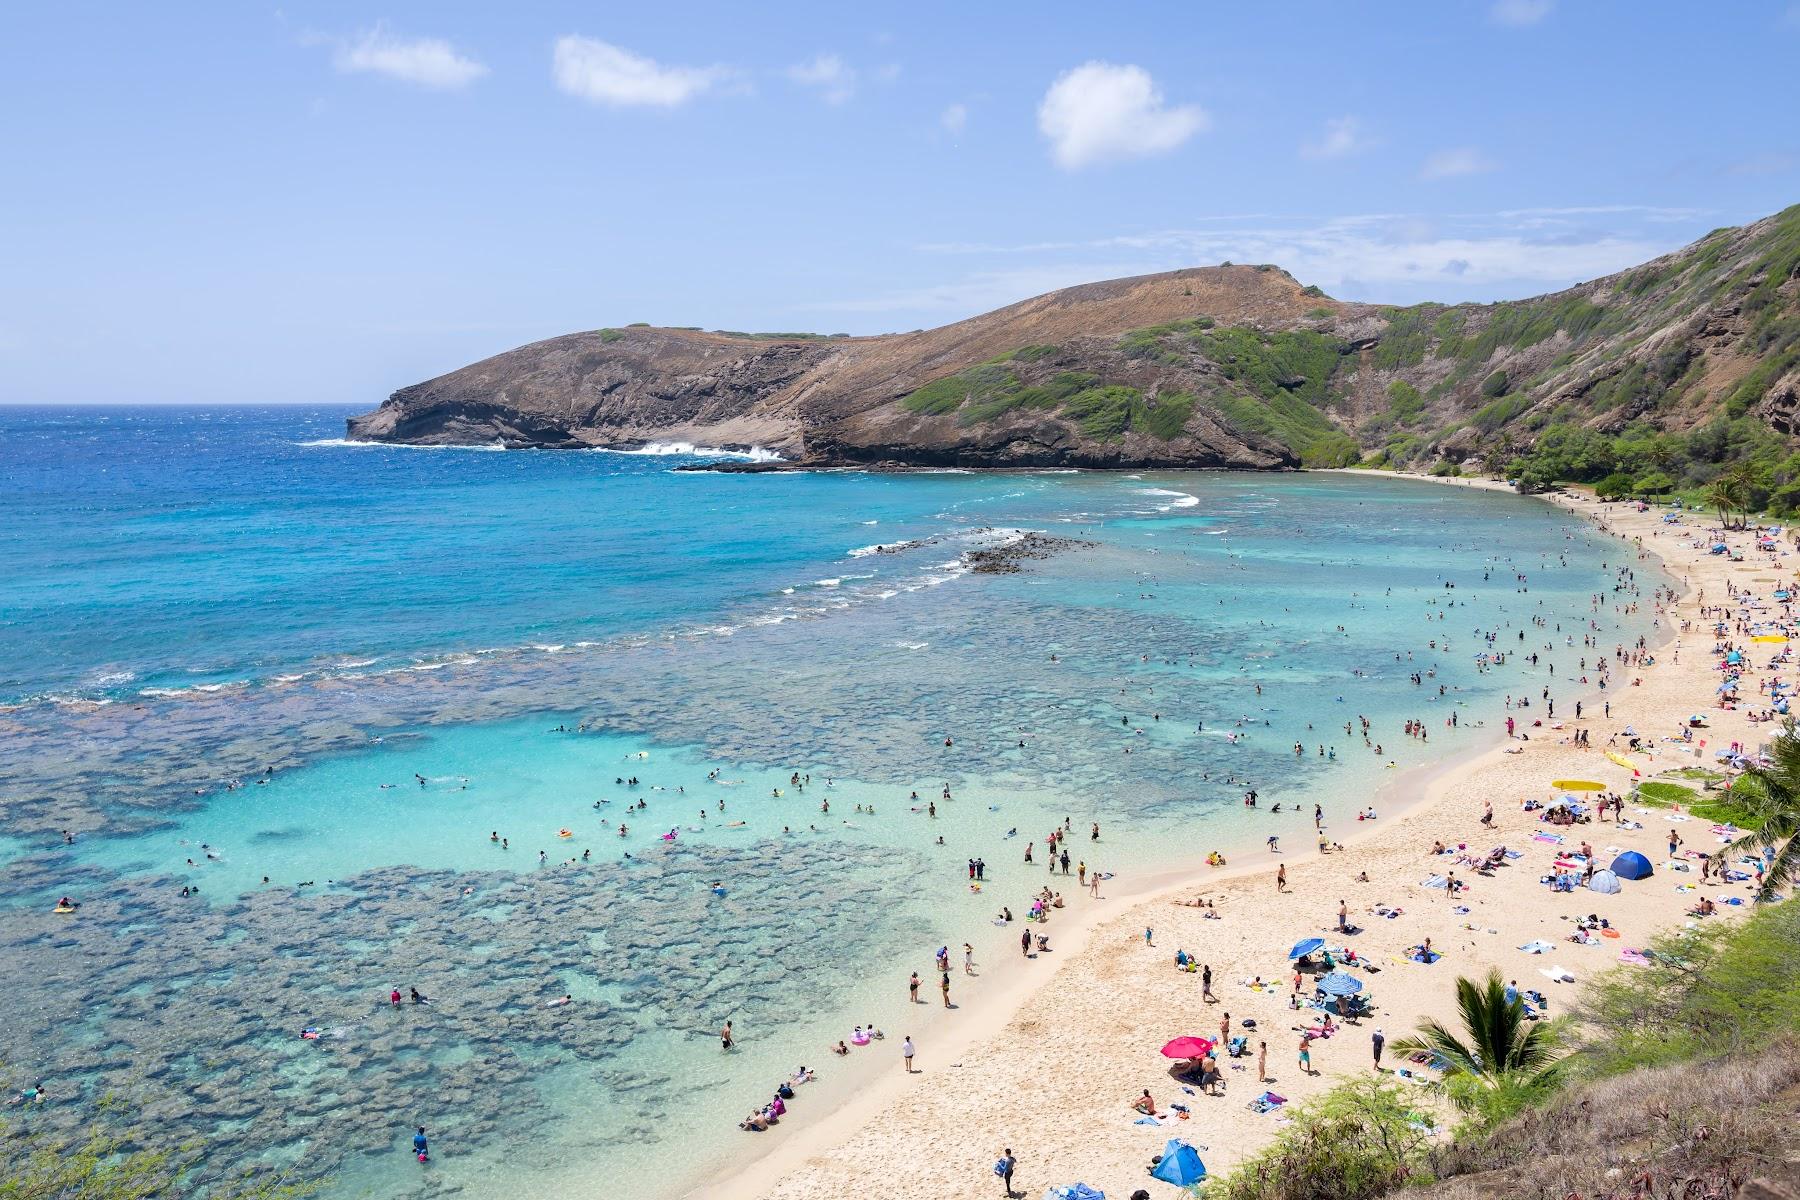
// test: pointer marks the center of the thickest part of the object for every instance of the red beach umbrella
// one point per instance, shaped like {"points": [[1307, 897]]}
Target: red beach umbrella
{"points": [[1188, 1047]]}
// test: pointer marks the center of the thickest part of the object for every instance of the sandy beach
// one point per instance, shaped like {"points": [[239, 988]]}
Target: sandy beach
{"points": [[1047, 1058]]}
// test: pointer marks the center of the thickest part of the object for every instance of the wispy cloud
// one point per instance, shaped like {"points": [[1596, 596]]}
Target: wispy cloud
{"points": [[1382, 257], [1343, 137], [1450, 164], [602, 73], [834, 78], [955, 118], [425, 62], [1103, 112], [1520, 13], [1768, 162]]}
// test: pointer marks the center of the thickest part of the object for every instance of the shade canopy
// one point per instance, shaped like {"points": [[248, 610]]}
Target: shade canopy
{"points": [[1188, 1047], [1308, 946], [1339, 984]]}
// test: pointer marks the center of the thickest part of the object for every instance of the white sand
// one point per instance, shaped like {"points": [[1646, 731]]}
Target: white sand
{"points": [[1047, 1056]]}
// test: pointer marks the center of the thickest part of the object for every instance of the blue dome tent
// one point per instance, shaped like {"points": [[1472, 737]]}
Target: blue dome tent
{"points": [[1631, 865], [1180, 1165]]}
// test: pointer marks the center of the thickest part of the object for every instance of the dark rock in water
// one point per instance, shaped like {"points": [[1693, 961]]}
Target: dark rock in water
{"points": [[1005, 560], [738, 468]]}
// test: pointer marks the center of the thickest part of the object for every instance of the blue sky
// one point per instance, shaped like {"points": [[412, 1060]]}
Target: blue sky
{"points": [[323, 202]]}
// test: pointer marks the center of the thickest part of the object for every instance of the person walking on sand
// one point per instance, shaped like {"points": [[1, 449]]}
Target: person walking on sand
{"points": [[944, 986], [1343, 917], [1206, 982], [912, 987], [1377, 1041], [1281, 878], [1306, 1053], [1674, 842], [968, 959], [1262, 1062], [906, 1053], [1004, 1169], [1225, 1029]]}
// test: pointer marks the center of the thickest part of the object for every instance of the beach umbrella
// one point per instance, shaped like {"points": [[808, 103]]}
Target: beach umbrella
{"points": [[1309, 946], [1577, 785], [1188, 1047], [1180, 1165], [1339, 984]]}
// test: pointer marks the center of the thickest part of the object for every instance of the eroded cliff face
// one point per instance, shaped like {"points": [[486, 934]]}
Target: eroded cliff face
{"points": [[1232, 366], [839, 400]]}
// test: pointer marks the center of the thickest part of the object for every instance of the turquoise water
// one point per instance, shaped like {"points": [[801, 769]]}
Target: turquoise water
{"points": [[226, 639]]}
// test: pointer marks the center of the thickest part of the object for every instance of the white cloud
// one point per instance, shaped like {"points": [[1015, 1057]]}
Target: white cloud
{"points": [[1102, 112], [1343, 137], [603, 73], [428, 62], [835, 78], [1448, 164], [1520, 13], [955, 118]]}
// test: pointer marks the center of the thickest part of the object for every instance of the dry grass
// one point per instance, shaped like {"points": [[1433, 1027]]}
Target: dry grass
{"points": [[1695, 1132]]}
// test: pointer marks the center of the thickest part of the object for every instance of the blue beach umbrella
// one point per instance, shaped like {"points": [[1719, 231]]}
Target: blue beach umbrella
{"points": [[1309, 946], [1339, 984]]}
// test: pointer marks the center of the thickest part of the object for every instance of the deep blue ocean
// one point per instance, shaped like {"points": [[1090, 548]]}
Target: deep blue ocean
{"points": [[507, 726]]}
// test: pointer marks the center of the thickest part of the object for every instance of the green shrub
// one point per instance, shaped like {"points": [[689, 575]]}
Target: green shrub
{"points": [[610, 335], [1361, 1139], [1614, 487], [1707, 992]]}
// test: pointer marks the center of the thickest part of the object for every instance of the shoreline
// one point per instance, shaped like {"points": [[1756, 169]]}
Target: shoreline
{"points": [[821, 1159]]}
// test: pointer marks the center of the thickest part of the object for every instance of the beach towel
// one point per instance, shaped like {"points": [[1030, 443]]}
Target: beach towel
{"points": [[1634, 956], [1539, 947], [1558, 974], [1267, 1102], [1436, 881]]}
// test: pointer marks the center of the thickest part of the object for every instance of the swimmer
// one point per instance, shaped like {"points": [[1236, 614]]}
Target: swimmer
{"points": [[559, 1002]]}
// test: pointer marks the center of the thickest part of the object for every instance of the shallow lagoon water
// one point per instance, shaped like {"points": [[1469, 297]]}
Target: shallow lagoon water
{"points": [[354, 618]]}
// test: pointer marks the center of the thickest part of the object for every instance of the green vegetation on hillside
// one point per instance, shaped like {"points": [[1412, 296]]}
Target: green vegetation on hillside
{"points": [[1104, 412], [1641, 461]]}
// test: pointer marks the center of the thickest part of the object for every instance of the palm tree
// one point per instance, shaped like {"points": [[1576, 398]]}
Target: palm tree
{"points": [[1502, 1049], [1774, 801], [1726, 494]]}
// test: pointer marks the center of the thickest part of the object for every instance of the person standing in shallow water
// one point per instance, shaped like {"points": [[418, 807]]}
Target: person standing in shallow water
{"points": [[912, 987], [420, 1147]]}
